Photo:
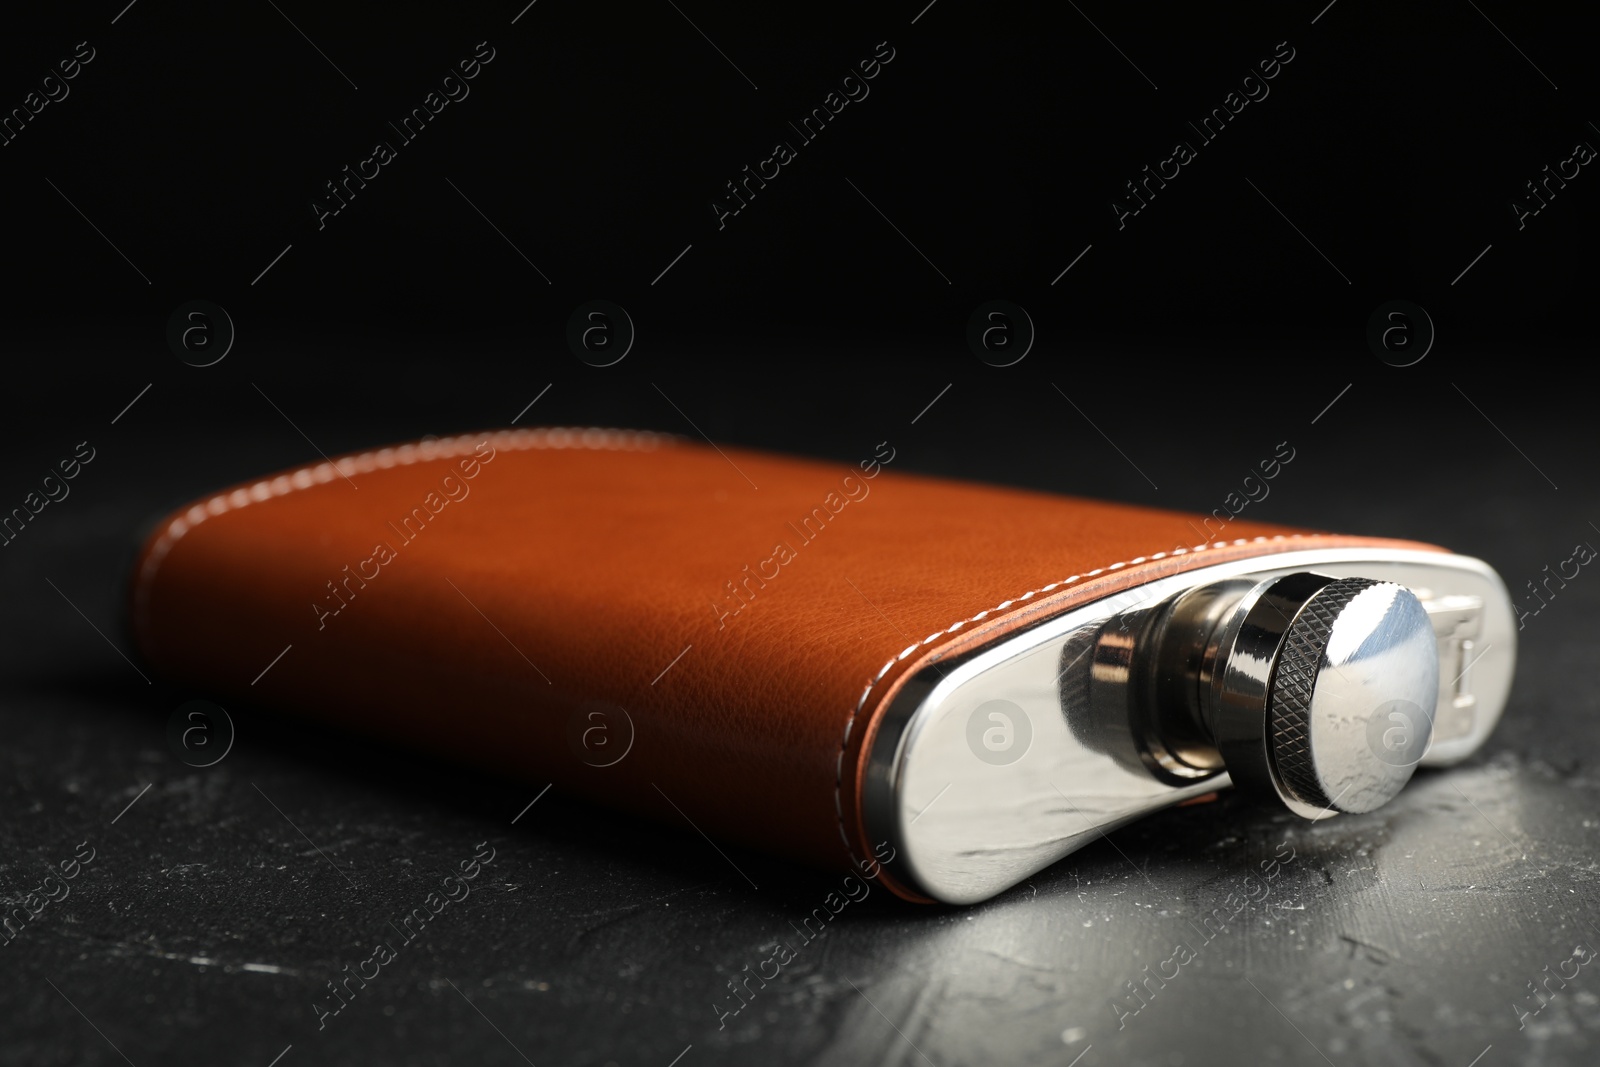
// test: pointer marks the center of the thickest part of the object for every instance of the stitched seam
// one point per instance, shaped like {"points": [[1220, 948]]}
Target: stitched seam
{"points": [[403, 455], [844, 743]]}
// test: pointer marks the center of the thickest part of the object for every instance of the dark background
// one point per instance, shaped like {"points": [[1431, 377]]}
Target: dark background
{"points": [[823, 318]]}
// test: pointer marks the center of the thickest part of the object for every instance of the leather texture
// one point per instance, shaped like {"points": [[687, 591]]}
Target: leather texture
{"points": [[485, 596]]}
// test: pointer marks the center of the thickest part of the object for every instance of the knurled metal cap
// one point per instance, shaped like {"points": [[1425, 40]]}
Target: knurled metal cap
{"points": [[1354, 684]]}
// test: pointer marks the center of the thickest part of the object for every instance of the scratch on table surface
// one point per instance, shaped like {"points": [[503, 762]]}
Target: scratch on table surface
{"points": [[631, 908], [180, 868], [1018, 961], [332, 847], [212, 961], [1372, 953], [200, 960], [623, 912]]}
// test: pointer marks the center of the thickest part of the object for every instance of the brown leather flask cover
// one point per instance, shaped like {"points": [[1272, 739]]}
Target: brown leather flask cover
{"points": [[649, 622]]}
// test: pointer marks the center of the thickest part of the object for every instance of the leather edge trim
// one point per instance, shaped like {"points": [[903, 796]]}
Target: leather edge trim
{"points": [[1116, 578], [181, 520]]}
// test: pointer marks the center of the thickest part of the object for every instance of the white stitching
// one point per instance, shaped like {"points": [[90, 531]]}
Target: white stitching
{"points": [[519, 440], [838, 776]]}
